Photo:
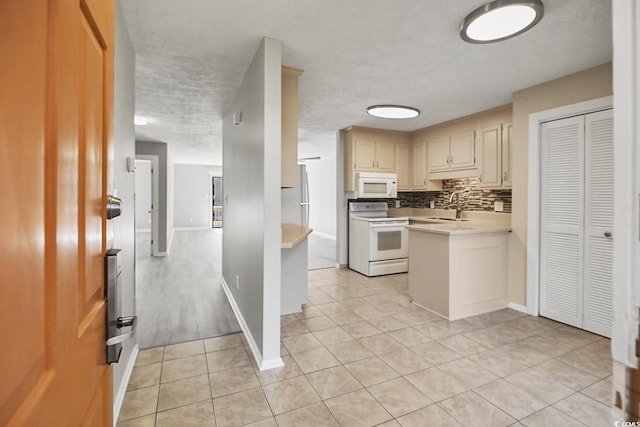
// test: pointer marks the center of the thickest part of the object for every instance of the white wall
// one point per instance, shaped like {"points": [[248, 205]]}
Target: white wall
{"points": [[192, 195], [124, 183], [252, 236], [143, 195]]}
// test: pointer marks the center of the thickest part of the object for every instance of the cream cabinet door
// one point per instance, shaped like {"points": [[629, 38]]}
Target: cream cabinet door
{"points": [[438, 154], [402, 167], [365, 155], [420, 165], [385, 156], [462, 150], [507, 130], [490, 148]]}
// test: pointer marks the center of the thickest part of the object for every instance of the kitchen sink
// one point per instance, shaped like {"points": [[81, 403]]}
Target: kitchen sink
{"points": [[449, 219]]}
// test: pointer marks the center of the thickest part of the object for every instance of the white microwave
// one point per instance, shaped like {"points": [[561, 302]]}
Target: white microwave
{"points": [[375, 185]]}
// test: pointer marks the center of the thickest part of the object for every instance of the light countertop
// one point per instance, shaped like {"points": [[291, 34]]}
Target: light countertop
{"points": [[461, 227], [293, 234], [472, 222]]}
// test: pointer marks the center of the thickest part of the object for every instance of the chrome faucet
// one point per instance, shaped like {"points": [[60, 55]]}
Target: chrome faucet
{"points": [[459, 206]]}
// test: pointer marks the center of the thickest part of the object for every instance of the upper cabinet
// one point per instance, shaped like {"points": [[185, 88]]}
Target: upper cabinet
{"points": [[478, 145], [421, 181], [452, 152], [369, 150], [494, 144], [403, 169], [289, 144], [374, 156]]}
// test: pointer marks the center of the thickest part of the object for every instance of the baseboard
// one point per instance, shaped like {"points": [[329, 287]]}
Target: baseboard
{"points": [[341, 266], [170, 242], [118, 399], [191, 228], [518, 307], [325, 235], [263, 365]]}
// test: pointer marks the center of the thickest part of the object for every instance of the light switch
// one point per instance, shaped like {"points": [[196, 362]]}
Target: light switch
{"points": [[498, 206]]}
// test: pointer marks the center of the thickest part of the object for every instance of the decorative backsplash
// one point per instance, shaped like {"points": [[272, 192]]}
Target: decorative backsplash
{"points": [[475, 199]]}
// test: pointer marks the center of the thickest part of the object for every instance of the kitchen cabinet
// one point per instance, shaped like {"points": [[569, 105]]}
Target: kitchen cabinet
{"points": [[402, 166], [494, 146], [289, 144], [369, 150], [457, 271], [421, 181], [451, 152], [372, 156]]}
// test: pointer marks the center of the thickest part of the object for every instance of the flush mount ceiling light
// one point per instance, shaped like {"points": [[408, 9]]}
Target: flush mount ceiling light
{"points": [[500, 20], [393, 111], [140, 120]]}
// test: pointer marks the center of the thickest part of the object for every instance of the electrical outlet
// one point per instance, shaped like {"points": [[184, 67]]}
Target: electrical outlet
{"points": [[397, 203], [238, 282], [432, 204], [498, 206]]}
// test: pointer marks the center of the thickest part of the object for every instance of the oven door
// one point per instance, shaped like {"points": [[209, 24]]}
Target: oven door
{"points": [[388, 240]]}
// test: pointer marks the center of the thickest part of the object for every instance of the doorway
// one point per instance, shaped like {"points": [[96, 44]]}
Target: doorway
{"points": [[146, 203], [561, 283], [216, 201]]}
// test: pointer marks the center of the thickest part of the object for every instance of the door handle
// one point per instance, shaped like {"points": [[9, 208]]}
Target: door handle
{"points": [[607, 234], [122, 322]]}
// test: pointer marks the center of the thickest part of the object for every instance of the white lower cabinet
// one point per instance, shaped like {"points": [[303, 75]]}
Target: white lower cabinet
{"points": [[576, 221]]}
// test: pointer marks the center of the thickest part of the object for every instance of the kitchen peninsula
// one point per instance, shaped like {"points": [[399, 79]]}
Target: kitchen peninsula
{"points": [[458, 268], [294, 262]]}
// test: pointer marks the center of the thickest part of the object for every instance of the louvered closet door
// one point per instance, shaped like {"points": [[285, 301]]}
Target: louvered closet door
{"points": [[598, 279], [561, 220]]}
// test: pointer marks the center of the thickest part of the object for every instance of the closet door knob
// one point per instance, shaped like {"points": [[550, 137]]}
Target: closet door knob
{"points": [[607, 234]]}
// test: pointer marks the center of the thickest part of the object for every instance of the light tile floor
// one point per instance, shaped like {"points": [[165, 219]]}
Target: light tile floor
{"points": [[361, 355]]}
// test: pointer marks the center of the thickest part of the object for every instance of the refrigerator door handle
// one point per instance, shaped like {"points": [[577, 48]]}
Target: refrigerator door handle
{"points": [[305, 194]]}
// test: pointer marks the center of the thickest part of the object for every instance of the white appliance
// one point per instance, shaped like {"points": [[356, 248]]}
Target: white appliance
{"points": [[376, 185], [295, 201], [377, 244]]}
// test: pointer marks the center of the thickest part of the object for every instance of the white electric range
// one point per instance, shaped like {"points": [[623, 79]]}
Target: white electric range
{"points": [[378, 244]]}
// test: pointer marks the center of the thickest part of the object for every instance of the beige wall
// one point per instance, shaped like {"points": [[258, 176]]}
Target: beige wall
{"points": [[590, 84]]}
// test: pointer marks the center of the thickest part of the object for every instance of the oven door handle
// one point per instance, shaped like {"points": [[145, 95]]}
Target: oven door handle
{"points": [[389, 225]]}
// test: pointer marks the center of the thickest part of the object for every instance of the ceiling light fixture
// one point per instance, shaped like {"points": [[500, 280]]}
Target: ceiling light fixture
{"points": [[393, 111], [140, 120], [500, 20]]}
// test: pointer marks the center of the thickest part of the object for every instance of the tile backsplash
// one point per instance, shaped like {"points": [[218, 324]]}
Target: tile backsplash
{"points": [[475, 199]]}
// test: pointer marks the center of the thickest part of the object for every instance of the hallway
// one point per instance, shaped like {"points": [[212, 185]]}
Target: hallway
{"points": [[179, 297]]}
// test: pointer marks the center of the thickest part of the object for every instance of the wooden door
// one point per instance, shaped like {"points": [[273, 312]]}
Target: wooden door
{"points": [[55, 128]]}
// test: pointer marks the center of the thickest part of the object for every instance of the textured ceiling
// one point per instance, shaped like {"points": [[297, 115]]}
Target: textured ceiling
{"points": [[192, 54]]}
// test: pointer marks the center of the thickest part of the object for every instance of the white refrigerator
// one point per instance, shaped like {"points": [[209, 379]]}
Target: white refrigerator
{"points": [[295, 201]]}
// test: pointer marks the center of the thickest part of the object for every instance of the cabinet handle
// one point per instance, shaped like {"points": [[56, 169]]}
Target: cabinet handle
{"points": [[479, 178], [377, 164], [505, 176], [424, 181], [373, 163]]}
